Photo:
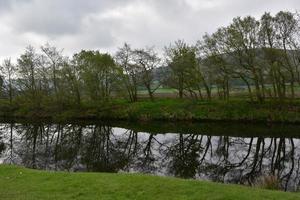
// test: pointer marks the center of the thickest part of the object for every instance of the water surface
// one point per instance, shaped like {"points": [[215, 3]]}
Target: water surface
{"points": [[221, 152]]}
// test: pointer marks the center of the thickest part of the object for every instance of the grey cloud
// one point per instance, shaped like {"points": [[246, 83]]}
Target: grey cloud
{"points": [[54, 17], [103, 24], [6, 5]]}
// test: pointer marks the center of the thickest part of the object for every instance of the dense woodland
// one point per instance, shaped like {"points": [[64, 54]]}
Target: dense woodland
{"points": [[262, 56]]}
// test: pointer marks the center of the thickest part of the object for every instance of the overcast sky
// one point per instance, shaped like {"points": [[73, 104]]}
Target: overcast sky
{"points": [[106, 24]]}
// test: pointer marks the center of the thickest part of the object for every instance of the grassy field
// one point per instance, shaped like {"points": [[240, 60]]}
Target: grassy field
{"points": [[26, 184]]}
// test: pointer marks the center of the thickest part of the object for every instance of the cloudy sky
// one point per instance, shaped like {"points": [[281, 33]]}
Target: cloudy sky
{"points": [[107, 24]]}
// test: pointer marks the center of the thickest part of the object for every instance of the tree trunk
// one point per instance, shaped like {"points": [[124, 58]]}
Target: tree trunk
{"points": [[248, 86]]}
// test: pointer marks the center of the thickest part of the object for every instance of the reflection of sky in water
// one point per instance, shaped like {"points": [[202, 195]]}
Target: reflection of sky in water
{"points": [[102, 148]]}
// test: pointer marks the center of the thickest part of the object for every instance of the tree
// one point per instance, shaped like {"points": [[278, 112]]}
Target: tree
{"points": [[28, 76], [130, 71], [181, 58], [286, 28], [242, 45], [146, 61], [99, 73], [8, 70], [272, 55], [54, 60], [212, 56], [71, 80]]}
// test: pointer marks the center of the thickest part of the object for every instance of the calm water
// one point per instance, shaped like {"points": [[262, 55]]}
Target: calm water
{"points": [[219, 152]]}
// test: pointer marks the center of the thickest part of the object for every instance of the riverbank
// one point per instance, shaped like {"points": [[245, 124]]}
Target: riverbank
{"points": [[160, 110], [21, 183]]}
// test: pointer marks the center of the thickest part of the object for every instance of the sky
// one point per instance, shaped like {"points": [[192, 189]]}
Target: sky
{"points": [[102, 25]]}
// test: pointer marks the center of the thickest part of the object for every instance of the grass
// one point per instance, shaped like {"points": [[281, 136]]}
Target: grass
{"points": [[191, 110], [164, 109], [20, 183]]}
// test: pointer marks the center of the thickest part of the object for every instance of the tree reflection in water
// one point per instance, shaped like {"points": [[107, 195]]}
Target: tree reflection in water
{"points": [[103, 148]]}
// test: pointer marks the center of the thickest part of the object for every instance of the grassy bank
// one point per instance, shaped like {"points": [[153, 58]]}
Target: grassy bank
{"points": [[161, 109], [21, 183]]}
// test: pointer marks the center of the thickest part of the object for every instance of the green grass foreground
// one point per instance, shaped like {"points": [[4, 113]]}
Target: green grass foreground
{"points": [[22, 184], [161, 110]]}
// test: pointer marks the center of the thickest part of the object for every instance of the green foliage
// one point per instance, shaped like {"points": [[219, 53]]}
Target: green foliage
{"points": [[99, 73], [183, 63]]}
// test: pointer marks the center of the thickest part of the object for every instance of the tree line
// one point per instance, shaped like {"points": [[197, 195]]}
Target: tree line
{"points": [[261, 55]]}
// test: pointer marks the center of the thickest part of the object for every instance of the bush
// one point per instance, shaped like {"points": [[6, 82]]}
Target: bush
{"points": [[270, 182]]}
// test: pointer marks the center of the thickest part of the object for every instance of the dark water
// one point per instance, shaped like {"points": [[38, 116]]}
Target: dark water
{"points": [[228, 153]]}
